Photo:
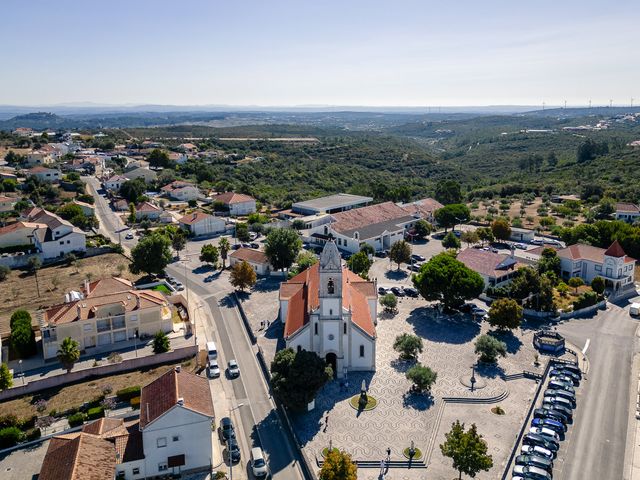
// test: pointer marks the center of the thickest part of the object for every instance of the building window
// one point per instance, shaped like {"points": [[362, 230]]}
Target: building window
{"points": [[330, 286], [161, 442], [136, 471], [315, 327], [299, 349], [330, 311], [87, 327], [598, 268], [62, 242], [344, 328], [120, 474], [175, 438], [162, 467], [362, 350], [345, 243]]}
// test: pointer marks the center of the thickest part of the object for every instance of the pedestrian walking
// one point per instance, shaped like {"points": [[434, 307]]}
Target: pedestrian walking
{"points": [[381, 467]]}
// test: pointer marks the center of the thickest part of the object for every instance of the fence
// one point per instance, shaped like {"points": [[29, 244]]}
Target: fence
{"points": [[15, 261], [100, 371], [245, 320]]}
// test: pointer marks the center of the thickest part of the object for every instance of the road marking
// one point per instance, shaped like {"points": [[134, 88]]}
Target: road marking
{"points": [[586, 346]]}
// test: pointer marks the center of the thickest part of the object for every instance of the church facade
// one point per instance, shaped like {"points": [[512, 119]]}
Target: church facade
{"points": [[331, 311]]}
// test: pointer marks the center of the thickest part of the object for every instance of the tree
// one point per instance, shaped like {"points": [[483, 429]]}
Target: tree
{"points": [[34, 265], [563, 289], [389, 302], [408, 346], [338, 466], [23, 338], [549, 262], [451, 215], [445, 279], [422, 377], [422, 228], [132, 190], [470, 237], [209, 254], [224, 248], [575, 283], [505, 313], [485, 234], [298, 224], [451, 241], [305, 260], [161, 342], [598, 285], [159, 159], [132, 213], [242, 232], [448, 192], [281, 247], [151, 255], [489, 348], [467, 449], [359, 263], [242, 276], [68, 353], [6, 379], [400, 252], [552, 160], [4, 272], [366, 248], [501, 229], [296, 377]]}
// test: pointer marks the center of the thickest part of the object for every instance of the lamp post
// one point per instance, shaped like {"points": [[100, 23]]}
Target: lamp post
{"points": [[228, 450], [21, 372], [135, 341], [473, 376]]}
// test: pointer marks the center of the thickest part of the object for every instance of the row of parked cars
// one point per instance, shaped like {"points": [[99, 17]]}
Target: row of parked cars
{"points": [[399, 291], [549, 425]]}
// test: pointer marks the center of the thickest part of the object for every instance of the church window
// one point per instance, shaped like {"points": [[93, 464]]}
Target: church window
{"points": [[299, 348], [331, 311], [344, 328], [345, 243], [331, 337], [330, 287], [362, 350], [315, 326]]}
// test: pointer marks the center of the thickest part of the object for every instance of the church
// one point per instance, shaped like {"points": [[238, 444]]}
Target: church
{"points": [[330, 310]]}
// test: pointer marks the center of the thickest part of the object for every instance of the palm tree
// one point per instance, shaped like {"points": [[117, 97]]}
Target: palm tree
{"points": [[224, 247], [68, 353]]}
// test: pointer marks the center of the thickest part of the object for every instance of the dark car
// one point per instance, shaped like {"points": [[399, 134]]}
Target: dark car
{"points": [[566, 376], [397, 291], [569, 367], [254, 245], [417, 258], [535, 461], [559, 401], [234, 450], [382, 254], [553, 414], [415, 267], [467, 307], [559, 408], [226, 428], [235, 246], [410, 292], [383, 290], [552, 392], [561, 384], [539, 440], [555, 425]]}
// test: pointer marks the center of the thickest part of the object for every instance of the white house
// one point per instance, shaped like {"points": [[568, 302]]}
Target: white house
{"points": [[141, 172], [202, 224], [115, 182], [44, 174], [18, 233], [522, 235], [257, 259], [53, 236], [180, 190], [237, 203], [627, 212], [330, 310], [38, 158], [147, 210], [330, 204], [176, 416], [496, 269], [7, 203]]}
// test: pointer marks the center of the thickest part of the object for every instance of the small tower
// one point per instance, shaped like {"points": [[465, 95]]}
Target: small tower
{"points": [[330, 281]]}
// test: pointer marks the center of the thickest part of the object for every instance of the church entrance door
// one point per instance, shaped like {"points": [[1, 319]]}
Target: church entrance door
{"points": [[332, 361]]}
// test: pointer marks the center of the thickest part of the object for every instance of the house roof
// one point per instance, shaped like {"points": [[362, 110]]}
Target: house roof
{"points": [[627, 208], [126, 437], [615, 250], [176, 185], [194, 217], [424, 207], [229, 198], [83, 204], [78, 456], [370, 221], [580, 251], [250, 255], [20, 225], [147, 207], [331, 202], [302, 293], [104, 426], [108, 285], [117, 178], [41, 169], [167, 390], [487, 263], [7, 199]]}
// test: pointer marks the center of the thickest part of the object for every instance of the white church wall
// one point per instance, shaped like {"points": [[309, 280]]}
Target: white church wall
{"points": [[360, 339]]}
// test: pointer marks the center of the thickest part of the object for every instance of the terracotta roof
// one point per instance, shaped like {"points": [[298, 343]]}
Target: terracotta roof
{"points": [[194, 217], [487, 263], [615, 250], [627, 208], [424, 207], [388, 214], [147, 207], [250, 255], [176, 185], [118, 178], [108, 285], [20, 225], [580, 251], [126, 437], [302, 293], [7, 199], [230, 198], [103, 426], [41, 169], [78, 456], [164, 392]]}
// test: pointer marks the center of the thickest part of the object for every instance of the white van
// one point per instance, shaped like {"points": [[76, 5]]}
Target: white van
{"points": [[258, 463], [634, 309], [212, 351]]}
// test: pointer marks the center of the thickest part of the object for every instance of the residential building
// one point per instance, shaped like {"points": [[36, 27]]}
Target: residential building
{"points": [[424, 208], [53, 236], [141, 172], [78, 456], [120, 205], [236, 203], [107, 312], [496, 269], [330, 204], [188, 147], [147, 210], [176, 420], [18, 234], [38, 158], [44, 174], [522, 235], [257, 259], [177, 157], [627, 212], [329, 310], [23, 131], [7, 203], [180, 190], [115, 182], [201, 224]]}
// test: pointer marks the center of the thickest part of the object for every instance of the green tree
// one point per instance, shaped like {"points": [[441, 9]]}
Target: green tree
{"points": [[338, 466], [448, 192], [281, 247], [389, 302], [445, 279], [23, 338], [68, 353], [209, 254], [161, 342], [400, 252], [501, 229], [451, 241], [366, 248], [505, 313], [575, 283], [242, 232], [132, 213], [242, 276], [489, 348], [159, 159], [468, 450], [359, 263], [4, 272], [179, 241], [151, 255], [305, 260], [485, 234], [452, 215], [422, 228], [6, 379], [598, 285], [422, 377], [133, 190], [408, 346], [563, 289], [470, 237], [549, 262], [296, 377], [298, 224], [224, 248]]}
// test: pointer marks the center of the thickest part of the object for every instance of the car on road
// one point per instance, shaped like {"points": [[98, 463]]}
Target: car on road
{"points": [[233, 369], [383, 290], [530, 473], [417, 258], [397, 291], [565, 376], [558, 401], [213, 370], [537, 451], [555, 425], [233, 450], [226, 429], [258, 464], [410, 292], [128, 236], [546, 432], [535, 461], [553, 414], [558, 384]]}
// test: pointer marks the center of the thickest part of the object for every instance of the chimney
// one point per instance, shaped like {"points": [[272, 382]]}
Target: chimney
{"points": [[513, 249], [79, 309], [180, 401], [178, 368], [86, 287]]}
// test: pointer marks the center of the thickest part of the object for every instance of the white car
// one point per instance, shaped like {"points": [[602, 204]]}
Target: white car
{"points": [[128, 236], [535, 450], [545, 432], [214, 369], [522, 471]]}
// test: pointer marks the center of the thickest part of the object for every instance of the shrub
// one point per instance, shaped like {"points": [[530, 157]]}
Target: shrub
{"points": [[128, 393], [27, 423], [96, 402], [135, 403], [33, 434], [585, 300], [9, 436], [76, 419], [8, 420], [95, 412]]}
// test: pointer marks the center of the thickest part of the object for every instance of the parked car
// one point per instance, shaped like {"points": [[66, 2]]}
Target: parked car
{"points": [[233, 369], [411, 292], [414, 267], [558, 384], [546, 432], [521, 246], [550, 392], [530, 473], [258, 464], [559, 408], [227, 429], [555, 425], [213, 370], [254, 245], [553, 414], [536, 241], [128, 236], [178, 286], [535, 461], [418, 258], [382, 254], [551, 400], [467, 307], [537, 451], [235, 246], [478, 311], [246, 245], [565, 376], [397, 291], [253, 235], [569, 367], [383, 290], [233, 450]]}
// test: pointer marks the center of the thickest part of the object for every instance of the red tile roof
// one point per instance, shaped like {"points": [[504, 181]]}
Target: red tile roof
{"points": [[230, 198], [250, 255], [194, 217], [486, 262], [362, 217], [580, 251], [627, 207], [615, 250], [78, 456], [146, 207], [424, 207]]}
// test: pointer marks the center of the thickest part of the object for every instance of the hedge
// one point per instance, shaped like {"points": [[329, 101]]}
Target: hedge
{"points": [[34, 434], [76, 419], [135, 403], [10, 436], [128, 393], [95, 412]]}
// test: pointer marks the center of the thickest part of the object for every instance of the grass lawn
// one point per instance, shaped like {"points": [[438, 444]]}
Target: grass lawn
{"points": [[19, 289], [163, 289]]}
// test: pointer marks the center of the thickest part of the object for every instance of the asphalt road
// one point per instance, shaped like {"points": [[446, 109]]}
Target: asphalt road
{"points": [[595, 446]]}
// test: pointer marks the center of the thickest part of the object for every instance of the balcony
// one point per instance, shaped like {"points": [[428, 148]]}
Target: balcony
{"points": [[117, 322], [103, 325]]}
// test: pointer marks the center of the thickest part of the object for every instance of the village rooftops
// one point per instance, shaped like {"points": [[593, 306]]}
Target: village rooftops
{"points": [[147, 207], [580, 251], [79, 456]]}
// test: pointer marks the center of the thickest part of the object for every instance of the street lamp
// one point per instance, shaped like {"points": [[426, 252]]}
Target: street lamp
{"points": [[21, 372], [473, 376], [228, 450]]}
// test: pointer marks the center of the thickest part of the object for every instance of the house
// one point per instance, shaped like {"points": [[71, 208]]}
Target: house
{"points": [[329, 310], [44, 174], [53, 236], [87, 209], [188, 147], [180, 190], [201, 224], [120, 205], [147, 210], [176, 420], [18, 234], [38, 158], [23, 131], [115, 182], [141, 172], [424, 208], [257, 259], [496, 269], [7, 203], [587, 262], [166, 217], [330, 204], [236, 203], [107, 312], [523, 235], [627, 212], [178, 157]]}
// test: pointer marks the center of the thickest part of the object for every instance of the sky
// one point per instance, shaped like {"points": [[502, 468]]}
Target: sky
{"points": [[292, 53]]}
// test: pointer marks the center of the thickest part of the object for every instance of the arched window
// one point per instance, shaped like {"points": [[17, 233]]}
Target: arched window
{"points": [[330, 287]]}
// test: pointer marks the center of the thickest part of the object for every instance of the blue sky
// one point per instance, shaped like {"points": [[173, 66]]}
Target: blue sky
{"points": [[270, 52]]}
